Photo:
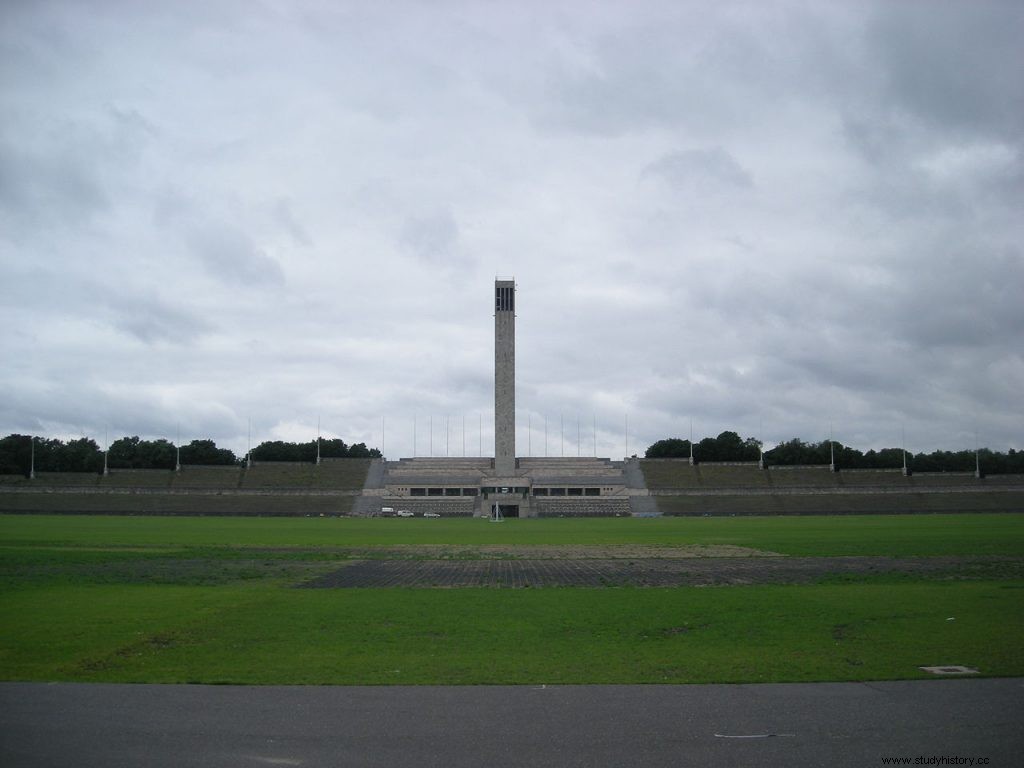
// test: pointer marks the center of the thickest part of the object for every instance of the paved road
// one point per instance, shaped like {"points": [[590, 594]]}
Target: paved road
{"points": [[826, 724]]}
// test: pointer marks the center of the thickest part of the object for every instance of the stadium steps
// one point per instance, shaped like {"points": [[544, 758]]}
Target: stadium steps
{"points": [[137, 478], [436, 471], [617, 506], [343, 474], [644, 506], [274, 474], [56, 480], [374, 474], [202, 476]]}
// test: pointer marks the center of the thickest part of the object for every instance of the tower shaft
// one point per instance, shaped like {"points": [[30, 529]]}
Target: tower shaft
{"points": [[504, 377]]}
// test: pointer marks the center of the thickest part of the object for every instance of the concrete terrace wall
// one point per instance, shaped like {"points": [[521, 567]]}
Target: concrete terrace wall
{"points": [[293, 489], [182, 503], [839, 504], [717, 489]]}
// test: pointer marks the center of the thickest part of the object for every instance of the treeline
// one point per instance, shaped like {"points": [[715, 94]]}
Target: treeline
{"points": [[84, 455], [278, 450], [729, 446]]}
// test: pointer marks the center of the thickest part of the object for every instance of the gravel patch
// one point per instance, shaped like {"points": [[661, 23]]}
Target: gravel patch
{"points": [[647, 572], [527, 552]]}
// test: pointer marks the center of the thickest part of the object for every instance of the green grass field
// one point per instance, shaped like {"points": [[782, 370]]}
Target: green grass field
{"points": [[977, 534], [146, 599]]}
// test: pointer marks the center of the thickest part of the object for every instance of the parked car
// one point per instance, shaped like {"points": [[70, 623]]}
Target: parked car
{"points": [[404, 513], [431, 514]]}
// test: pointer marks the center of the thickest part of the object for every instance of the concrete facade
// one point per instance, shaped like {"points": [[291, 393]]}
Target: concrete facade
{"points": [[463, 486], [505, 377]]}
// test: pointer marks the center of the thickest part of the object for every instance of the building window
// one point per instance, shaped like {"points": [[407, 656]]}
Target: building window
{"points": [[435, 491], [452, 491], [469, 491], [504, 298], [540, 491], [575, 491], [558, 491], [417, 491], [591, 491]]}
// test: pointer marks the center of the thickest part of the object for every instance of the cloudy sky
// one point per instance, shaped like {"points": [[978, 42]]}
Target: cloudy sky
{"points": [[764, 217]]}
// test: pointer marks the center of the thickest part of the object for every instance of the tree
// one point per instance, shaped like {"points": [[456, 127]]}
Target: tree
{"points": [[206, 452], [669, 448], [333, 448], [156, 454], [81, 455], [278, 450], [121, 453], [15, 455]]}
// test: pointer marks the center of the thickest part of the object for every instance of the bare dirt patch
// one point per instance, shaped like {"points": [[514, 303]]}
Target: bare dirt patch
{"points": [[539, 552], [643, 572]]}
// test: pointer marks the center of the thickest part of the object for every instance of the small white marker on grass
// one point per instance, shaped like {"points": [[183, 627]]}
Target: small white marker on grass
{"points": [[950, 669]]}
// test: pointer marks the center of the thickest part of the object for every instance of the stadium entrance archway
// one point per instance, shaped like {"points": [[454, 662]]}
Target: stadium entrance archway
{"points": [[509, 510]]}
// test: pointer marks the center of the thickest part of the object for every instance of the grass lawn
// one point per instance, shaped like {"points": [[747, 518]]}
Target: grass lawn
{"points": [[253, 634], [204, 600], [975, 534]]}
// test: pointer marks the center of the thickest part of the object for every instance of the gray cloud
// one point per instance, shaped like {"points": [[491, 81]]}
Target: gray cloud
{"points": [[231, 256], [283, 214], [953, 66], [434, 239], [150, 320], [36, 187], [699, 171]]}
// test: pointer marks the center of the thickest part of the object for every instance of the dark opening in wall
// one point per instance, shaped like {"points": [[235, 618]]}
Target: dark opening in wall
{"points": [[452, 491], [575, 491], [558, 491], [417, 491], [469, 491], [435, 491], [504, 298], [540, 491], [591, 491]]}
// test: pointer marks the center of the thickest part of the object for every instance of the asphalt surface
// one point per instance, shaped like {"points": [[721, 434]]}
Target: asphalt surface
{"points": [[823, 724]]}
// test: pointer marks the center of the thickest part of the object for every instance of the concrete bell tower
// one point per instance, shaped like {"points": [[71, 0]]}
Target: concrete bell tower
{"points": [[505, 378]]}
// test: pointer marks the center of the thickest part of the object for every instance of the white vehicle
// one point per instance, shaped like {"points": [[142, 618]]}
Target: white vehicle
{"points": [[404, 513], [431, 514]]}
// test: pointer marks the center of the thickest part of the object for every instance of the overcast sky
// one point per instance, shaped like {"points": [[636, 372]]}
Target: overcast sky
{"points": [[766, 217]]}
